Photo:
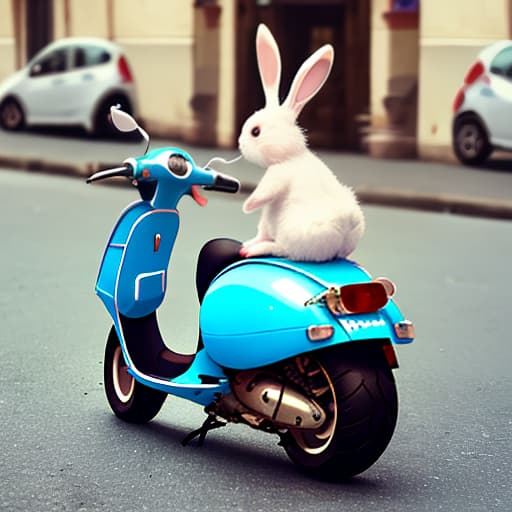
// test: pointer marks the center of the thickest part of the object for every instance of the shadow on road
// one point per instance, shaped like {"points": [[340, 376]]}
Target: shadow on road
{"points": [[497, 165], [237, 457]]}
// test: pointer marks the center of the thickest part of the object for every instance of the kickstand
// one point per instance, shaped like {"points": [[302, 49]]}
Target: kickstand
{"points": [[210, 423]]}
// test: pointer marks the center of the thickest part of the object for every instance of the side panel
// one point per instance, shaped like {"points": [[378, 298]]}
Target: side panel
{"points": [[254, 313], [142, 278], [114, 252], [133, 273]]}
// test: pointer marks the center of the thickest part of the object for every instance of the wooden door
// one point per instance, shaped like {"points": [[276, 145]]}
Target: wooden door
{"points": [[300, 28]]}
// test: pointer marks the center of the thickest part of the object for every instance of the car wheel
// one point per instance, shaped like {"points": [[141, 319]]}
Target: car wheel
{"points": [[470, 142], [11, 115], [102, 125]]}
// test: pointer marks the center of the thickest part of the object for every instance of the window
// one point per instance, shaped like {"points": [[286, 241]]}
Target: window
{"points": [[403, 14], [405, 5], [54, 62], [502, 63], [85, 56]]}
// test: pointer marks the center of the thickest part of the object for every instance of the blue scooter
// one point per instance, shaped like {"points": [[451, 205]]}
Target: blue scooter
{"points": [[301, 350]]}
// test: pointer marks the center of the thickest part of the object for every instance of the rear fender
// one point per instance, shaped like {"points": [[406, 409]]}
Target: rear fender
{"points": [[254, 313]]}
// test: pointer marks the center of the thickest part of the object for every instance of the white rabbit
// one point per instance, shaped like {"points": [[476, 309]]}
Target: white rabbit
{"points": [[307, 214]]}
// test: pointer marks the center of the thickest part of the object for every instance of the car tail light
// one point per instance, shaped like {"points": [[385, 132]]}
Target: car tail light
{"points": [[459, 99], [124, 70], [474, 73]]}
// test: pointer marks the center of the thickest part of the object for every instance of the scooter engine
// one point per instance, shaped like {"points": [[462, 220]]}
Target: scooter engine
{"points": [[273, 399]]}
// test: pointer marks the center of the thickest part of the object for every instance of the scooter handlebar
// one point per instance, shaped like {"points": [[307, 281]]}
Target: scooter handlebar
{"points": [[224, 183], [125, 170]]}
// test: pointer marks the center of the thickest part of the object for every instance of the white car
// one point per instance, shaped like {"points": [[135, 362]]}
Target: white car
{"points": [[72, 81], [483, 106]]}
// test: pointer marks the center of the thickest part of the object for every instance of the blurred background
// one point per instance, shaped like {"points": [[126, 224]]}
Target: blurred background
{"points": [[398, 63]]}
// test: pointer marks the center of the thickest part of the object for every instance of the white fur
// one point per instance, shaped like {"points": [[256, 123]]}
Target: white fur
{"points": [[307, 214]]}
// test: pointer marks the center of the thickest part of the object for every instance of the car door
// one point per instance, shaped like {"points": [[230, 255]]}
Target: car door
{"points": [[500, 104], [87, 76], [44, 91]]}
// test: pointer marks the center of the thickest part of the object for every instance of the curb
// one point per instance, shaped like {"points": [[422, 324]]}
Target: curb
{"points": [[459, 205], [49, 166]]}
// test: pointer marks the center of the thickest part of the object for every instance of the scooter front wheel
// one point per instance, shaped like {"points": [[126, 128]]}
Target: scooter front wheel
{"points": [[130, 400], [355, 387]]}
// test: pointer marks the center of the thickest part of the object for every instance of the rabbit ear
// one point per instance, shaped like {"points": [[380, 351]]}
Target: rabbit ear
{"points": [[309, 79], [269, 64]]}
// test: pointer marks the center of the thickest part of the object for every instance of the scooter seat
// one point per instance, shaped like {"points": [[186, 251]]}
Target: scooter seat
{"points": [[216, 255]]}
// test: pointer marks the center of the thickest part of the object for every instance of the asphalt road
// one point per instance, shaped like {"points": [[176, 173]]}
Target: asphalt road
{"points": [[63, 450]]}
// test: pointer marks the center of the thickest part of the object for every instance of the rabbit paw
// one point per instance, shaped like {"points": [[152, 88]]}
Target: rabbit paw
{"points": [[260, 249]]}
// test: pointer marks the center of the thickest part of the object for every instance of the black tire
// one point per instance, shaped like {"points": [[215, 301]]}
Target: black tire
{"points": [[358, 393], [12, 116], [103, 127], [130, 400], [470, 141]]}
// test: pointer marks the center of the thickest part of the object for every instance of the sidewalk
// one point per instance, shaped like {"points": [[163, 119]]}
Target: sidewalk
{"points": [[433, 186]]}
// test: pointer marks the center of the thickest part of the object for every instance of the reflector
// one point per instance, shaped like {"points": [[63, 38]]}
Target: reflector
{"points": [[320, 332]]}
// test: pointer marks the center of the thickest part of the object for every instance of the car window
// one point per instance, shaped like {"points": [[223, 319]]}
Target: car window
{"points": [[85, 56], [54, 62], [502, 63]]}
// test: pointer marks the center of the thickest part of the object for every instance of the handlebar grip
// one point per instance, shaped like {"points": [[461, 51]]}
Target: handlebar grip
{"points": [[126, 171], [224, 183]]}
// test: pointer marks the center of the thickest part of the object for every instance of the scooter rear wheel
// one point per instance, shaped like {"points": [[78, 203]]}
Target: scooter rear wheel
{"points": [[130, 400], [356, 388]]}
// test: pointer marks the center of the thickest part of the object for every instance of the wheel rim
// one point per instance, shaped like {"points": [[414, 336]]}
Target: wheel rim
{"points": [[470, 140], [11, 115], [317, 441], [124, 383]]}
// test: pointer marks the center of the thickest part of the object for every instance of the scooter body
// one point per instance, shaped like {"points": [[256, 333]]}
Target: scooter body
{"points": [[254, 313], [276, 336], [132, 283]]}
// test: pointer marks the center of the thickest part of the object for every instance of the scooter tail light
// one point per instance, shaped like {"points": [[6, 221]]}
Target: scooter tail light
{"points": [[363, 298], [124, 70], [356, 298]]}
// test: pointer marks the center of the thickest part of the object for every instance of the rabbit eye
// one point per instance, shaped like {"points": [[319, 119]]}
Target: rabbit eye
{"points": [[255, 131]]}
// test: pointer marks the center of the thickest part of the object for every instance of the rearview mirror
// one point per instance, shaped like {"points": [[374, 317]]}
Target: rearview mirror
{"points": [[122, 121]]}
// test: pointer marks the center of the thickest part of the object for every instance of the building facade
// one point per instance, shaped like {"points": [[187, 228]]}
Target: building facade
{"points": [[397, 68]]}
